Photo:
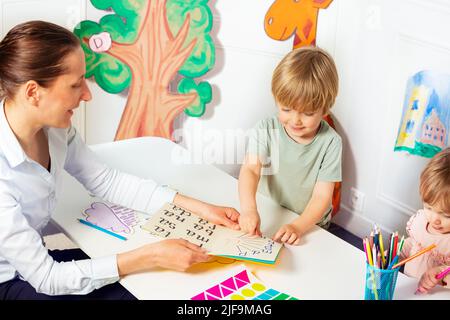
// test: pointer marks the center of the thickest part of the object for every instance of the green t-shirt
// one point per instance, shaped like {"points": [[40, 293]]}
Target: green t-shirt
{"points": [[291, 169]]}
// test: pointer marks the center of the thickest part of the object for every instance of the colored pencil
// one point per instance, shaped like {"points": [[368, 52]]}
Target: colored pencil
{"points": [[369, 254], [414, 256], [365, 249], [400, 247], [382, 250], [374, 255], [101, 229], [443, 273], [371, 240], [394, 248]]}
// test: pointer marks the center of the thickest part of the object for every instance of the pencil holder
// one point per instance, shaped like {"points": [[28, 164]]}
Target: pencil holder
{"points": [[380, 283]]}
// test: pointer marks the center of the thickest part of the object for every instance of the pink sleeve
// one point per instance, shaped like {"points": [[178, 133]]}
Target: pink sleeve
{"points": [[412, 227]]}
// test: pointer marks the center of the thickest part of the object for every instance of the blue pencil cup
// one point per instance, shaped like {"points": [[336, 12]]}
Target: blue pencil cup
{"points": [[380, 283]]}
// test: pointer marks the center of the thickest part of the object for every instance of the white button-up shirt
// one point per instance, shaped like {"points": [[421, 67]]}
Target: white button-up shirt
{"points": [[28, 195]]}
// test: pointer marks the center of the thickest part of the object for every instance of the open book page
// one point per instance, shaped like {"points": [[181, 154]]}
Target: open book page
{"points": [[174, 222]]}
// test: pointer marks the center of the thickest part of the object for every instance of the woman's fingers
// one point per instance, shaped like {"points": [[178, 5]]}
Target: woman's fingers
{"points": [[192, 246], [278, 235]]}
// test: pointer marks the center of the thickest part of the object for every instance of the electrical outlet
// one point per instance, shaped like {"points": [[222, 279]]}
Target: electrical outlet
{"points": [[357, 200]]}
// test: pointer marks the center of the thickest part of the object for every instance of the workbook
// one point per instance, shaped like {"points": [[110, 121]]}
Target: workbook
{"points": [[173, 222]]}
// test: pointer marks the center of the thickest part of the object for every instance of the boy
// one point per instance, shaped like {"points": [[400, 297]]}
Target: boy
{"points": [[303, 150]]}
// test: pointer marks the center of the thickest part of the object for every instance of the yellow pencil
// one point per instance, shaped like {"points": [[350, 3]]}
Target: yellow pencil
{"points": [[382, 251], [369, 254], [413, 256]]}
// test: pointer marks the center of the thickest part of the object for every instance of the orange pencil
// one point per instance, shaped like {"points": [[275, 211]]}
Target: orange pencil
{"points": [[413, 256]]}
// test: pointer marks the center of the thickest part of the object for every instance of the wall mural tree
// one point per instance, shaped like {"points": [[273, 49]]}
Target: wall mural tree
{"points": [[150, 47]]}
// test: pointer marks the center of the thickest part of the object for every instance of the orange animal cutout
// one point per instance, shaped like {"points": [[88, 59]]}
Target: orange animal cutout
{"points": [[299, 17]]}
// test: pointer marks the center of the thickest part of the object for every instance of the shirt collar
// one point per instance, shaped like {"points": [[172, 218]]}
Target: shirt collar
{"points": [[8, 142]]}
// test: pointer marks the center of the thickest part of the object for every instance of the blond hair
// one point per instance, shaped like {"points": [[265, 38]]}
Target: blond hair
{"points": [[435, 181], [306, 80]]}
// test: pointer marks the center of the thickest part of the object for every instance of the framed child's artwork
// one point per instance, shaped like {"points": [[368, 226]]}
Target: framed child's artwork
{"points": [[425, 122]]}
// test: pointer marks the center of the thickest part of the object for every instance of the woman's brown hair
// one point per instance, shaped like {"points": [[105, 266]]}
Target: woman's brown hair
{"points": [[33, 50]]}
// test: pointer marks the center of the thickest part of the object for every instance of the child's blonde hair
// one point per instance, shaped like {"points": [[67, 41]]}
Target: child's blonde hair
{"points": [[435, 181], [306, 80]]}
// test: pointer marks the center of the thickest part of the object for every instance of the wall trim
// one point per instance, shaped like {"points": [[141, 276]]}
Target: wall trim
{"points": [[437, 5], [357, 224]]}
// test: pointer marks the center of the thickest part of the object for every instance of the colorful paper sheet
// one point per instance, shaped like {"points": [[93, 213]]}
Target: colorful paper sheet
{"points": [[174, 222], [112, 217], [242, 285]]}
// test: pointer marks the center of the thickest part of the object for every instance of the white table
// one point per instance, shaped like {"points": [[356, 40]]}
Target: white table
{"points": [[322, 267]]}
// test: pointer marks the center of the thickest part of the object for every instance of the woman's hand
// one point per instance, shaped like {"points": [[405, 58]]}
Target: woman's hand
{"points": [[173, 254], [289, 234], [224, 216]]}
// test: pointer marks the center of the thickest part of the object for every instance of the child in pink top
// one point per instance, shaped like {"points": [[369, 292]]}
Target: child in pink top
{"points": [[431, 226]]}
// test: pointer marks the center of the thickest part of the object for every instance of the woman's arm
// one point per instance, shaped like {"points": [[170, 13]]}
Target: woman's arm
{"points": [[124, 189], [225, 216], [21, 246]]}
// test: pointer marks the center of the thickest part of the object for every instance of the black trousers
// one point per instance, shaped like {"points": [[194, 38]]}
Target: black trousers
{"points": [[17, 289]]}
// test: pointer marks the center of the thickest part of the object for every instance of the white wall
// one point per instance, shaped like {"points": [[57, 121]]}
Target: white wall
{"points": [[377, 45], [245, 58]]}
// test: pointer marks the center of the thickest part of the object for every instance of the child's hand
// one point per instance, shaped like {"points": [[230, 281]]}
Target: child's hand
{"points": [[288, 234], [428, 280], [250, 222]]}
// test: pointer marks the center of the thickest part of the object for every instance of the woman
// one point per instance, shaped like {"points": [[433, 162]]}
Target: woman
{"points": [[42, 80]]}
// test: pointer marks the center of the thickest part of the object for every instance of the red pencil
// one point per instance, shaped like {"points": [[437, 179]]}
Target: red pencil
{"points": [[395, 245]]}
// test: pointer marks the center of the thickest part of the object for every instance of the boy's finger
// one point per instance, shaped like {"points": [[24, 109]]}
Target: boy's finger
{"points": [[253, 231], [286, 237], [278, 235], [292, 238], [258, 232]]}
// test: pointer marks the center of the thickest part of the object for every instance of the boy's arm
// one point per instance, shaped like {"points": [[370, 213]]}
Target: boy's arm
{"points": [[319, 203], [248, 184]]}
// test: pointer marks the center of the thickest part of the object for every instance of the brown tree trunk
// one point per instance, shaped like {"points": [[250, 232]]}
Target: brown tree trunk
{"points": [[154, 59]]}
